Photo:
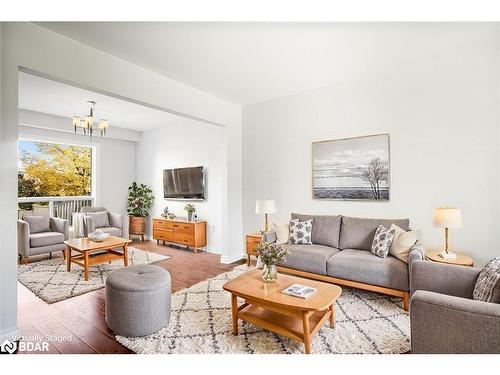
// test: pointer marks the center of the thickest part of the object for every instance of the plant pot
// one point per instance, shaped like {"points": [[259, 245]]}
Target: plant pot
{"points": [[190, 216], [136, 225]]}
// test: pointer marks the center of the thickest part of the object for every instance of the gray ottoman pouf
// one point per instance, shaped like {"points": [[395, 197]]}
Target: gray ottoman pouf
{"points": [[137, 300]]}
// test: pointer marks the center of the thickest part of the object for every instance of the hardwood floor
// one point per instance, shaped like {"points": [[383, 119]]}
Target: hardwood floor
{"points": [[81, 318]]}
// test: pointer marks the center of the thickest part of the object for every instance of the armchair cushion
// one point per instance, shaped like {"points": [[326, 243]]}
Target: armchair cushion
{"points": [[101, 219], [38, 224], [112, 231], [487, 286], [46, 239]]}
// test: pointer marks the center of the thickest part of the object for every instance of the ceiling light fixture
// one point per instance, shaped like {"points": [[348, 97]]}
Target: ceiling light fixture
{"points": [[87, 123]]}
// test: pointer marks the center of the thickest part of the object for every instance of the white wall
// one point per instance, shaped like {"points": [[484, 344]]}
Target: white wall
{"points": [[186, 143], [37, 49], [442, 116]]}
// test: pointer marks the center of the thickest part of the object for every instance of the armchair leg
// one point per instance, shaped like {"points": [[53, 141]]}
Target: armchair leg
{"points": [[406, 301], [50, 255]]}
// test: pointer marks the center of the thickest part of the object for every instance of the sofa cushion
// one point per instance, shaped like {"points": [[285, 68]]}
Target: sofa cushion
{"points": [[365, 267], [46, 239], [101, 219], [358, 233], [38, 224], [112, 231], [309, 258], [326, 228]]}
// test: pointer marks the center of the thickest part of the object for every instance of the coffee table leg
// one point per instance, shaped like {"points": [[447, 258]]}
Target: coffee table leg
{"points": [[234, 311], [332, 316], [68, 258], [307, 332], [125, 255], [86, 265]]}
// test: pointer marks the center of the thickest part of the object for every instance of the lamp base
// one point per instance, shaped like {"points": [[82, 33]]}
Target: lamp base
{"points": [[447, 255]]}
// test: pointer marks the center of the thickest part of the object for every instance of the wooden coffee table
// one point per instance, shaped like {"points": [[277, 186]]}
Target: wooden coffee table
{"points": [[293, 317], [85, 247]]}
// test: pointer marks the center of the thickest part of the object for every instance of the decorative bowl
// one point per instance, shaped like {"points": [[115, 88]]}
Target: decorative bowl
{"points": [[98, 236]]}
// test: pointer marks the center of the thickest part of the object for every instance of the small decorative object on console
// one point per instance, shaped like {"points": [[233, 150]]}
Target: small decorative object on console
{"points": [[191, 209], [98, 235], [171, 215], [270, 255], [165, 212]]}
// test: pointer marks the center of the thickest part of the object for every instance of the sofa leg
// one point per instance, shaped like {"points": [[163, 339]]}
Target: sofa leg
{"points": [[406, 301], [50, 255], [25, 260]]}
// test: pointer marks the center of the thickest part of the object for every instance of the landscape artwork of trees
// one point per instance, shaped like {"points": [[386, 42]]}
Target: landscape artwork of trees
{"points": [[48, 169], [352, 168]]}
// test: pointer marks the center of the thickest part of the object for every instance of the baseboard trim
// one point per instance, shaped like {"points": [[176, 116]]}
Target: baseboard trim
{"points": [[224, 259], [11, 335]]}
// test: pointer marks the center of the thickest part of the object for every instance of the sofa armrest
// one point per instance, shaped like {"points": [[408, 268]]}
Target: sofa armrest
{"points": [[447, 324], [269, 236], [89, 225], [23, 238], [60, 225], [443, 278]]}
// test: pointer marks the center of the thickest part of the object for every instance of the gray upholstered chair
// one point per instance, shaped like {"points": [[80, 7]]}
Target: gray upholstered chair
{"points": [[40, 235], [443, 316], [101, 218]]}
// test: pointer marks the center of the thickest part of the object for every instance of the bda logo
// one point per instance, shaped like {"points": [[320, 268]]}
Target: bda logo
{"points": [[8, 347]]}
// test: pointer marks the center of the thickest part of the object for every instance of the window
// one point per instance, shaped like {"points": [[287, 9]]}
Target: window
{"points": [[54, 170]]}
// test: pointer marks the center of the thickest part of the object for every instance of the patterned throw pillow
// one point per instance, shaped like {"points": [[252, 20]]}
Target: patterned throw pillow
{"points": [[300, 232], [382, 241], [488, 283]]}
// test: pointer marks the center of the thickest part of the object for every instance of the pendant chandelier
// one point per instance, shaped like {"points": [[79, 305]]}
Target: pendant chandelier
{"points": [[88, 123]]}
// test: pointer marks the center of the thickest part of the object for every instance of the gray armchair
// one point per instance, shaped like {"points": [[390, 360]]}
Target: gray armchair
{"points": [[444, 318], [39, 235], [111, 223]]}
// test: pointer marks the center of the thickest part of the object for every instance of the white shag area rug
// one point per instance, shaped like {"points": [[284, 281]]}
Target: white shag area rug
{"points": [[200, 322], [49, 280]]}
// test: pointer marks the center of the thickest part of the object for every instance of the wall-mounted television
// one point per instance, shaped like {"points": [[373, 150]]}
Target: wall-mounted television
{"points": [[184, 183]]}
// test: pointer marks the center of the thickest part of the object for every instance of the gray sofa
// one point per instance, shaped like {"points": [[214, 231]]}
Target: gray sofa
{"points": [[115, 223], [341, 254], [444, 318], [44, 236]]}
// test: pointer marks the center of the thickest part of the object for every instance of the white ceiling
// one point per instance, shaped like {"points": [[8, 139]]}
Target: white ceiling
{"points": [[247, 63], [55, 98]]}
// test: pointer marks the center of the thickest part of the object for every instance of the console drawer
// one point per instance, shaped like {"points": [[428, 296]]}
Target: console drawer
{"points": [[184, 228], [164, 235], [183, 238], [162, 224]]}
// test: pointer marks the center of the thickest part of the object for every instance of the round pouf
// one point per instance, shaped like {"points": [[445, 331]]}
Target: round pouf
{"points": [[137, 300]]}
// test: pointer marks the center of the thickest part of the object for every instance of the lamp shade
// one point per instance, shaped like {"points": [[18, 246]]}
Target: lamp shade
{"points": [[265, 207], [447, 217]]}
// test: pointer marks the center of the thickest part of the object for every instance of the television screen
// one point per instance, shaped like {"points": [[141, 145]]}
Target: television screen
{"points": [[184, 183]]}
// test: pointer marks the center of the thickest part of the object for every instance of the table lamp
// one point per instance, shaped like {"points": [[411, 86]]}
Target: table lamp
{"points": [[447, 217], [265, 207]]}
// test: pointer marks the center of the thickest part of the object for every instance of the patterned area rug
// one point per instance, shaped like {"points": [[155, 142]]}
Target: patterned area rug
{"points": [[201, 323], [49, 280]]}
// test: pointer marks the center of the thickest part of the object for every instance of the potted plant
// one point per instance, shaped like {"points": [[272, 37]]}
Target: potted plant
{"points": [[191, 209], [140, 200], [270, 255]]}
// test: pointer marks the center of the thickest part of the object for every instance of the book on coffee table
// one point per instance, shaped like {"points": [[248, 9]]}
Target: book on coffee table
{"points": [[299, 290]]}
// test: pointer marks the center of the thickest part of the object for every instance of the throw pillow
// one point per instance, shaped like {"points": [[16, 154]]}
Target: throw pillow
{"points": [[100, 218], [402, 243], [282, 233], [38, 224], [382, 241], [488, 283], [300, 232]]}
